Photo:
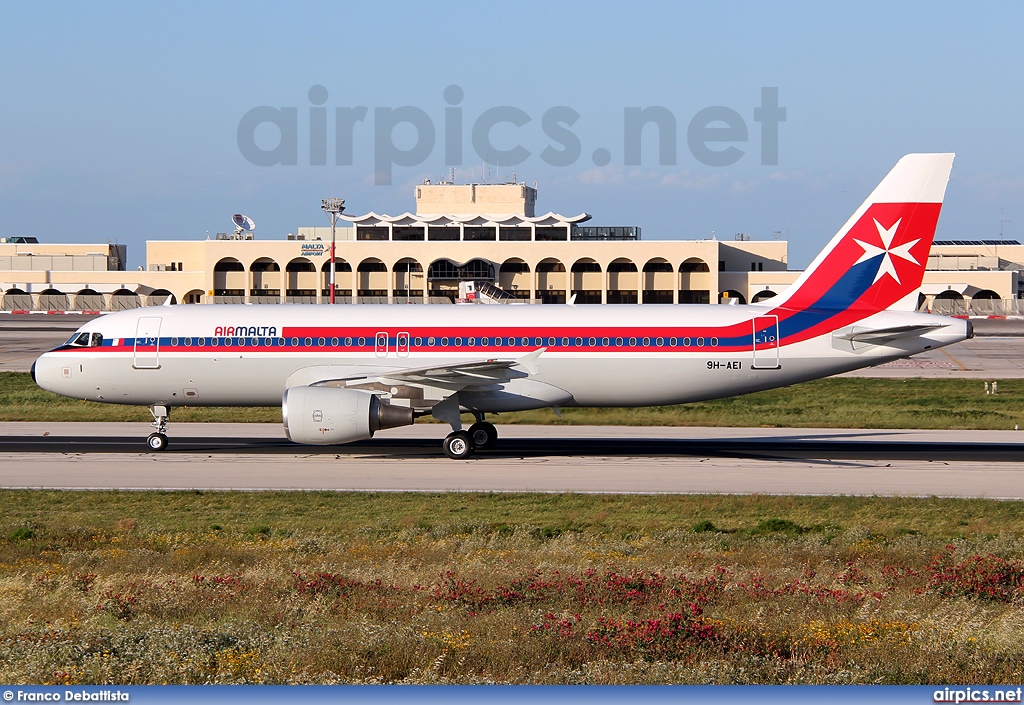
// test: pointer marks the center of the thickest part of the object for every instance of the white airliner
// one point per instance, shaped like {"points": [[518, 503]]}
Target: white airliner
{"points": [[340, 373]]}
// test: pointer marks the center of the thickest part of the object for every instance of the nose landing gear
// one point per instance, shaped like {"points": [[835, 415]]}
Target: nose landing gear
{"points": [[161, 415]]}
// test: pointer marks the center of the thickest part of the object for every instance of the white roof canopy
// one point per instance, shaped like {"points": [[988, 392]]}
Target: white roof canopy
{"points": [[506, 220]]}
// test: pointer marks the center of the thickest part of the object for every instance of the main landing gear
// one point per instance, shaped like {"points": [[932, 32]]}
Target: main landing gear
{"points": [[161, 415], [459, 445], [484, 434]]}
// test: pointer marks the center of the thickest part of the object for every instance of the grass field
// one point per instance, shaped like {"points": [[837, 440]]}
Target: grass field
{"points": [[191, 587], [828, 403], [187, 587]]}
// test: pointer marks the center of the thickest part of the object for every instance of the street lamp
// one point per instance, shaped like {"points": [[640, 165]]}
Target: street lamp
{"points": [[333, 208]]}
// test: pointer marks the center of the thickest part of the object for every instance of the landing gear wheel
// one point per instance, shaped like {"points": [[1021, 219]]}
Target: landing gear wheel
{"points": [[157, 441], [458, 445], [484, 434]]}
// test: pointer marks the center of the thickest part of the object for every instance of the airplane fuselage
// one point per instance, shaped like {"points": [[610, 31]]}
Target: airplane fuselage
{"points": [[340, 373], [629, 355]]}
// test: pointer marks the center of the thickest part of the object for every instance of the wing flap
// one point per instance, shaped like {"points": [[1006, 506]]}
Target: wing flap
{"points": [[453, 377]]}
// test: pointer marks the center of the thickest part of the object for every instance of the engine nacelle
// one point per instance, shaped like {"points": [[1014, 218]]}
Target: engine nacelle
{"points": [[328, 415]]}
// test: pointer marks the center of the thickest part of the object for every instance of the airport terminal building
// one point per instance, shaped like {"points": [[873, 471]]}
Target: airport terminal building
{"points": [[459, 232]]}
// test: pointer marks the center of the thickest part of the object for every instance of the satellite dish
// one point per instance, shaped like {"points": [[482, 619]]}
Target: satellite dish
{"points": [[243, 222]]}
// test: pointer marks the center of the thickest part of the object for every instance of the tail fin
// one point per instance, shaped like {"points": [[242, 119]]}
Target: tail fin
{"points": [[877, 259]]}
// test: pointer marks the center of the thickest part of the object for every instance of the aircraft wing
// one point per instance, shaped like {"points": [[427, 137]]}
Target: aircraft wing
{"points": [[453, 376]]}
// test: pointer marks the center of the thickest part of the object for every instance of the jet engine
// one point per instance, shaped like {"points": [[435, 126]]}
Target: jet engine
{"points": [[328, 415]]}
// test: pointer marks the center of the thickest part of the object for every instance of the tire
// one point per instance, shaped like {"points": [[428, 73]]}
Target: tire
{"points": [[484, 434], [157, 441], [458, 445]]}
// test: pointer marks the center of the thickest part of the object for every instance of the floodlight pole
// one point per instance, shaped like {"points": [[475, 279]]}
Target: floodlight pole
{"points": [[333, 208]]}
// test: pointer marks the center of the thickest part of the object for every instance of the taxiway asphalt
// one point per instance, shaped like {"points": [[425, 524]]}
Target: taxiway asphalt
{"points": [[526, 459]]}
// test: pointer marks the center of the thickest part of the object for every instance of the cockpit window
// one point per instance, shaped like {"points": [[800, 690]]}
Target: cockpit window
{"points": [[86, 340]]}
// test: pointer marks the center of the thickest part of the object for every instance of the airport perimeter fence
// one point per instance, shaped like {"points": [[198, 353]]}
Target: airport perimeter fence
{"points": [[21, 302], [97, 303], [977, 307]]}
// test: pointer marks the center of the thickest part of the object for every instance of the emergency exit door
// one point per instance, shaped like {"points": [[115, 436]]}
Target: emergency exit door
{"points": [[766, 342], [147, 343]]}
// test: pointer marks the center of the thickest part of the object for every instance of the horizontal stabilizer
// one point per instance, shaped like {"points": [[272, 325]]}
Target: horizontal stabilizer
{"points": [[881, 335], [859, 339]]}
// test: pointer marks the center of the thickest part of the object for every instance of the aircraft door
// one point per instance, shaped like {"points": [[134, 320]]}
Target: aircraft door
{"points": [[766, 343], [402, 344], [147, 343], [381, 346]]}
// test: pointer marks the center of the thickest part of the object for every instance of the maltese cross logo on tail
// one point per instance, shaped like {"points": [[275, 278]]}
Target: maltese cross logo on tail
{"points": [[888, 251]]}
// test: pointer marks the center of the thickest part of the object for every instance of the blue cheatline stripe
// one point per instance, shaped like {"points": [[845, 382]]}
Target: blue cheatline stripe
{"points": [[850, 287], [561, 343], [846, 291]]}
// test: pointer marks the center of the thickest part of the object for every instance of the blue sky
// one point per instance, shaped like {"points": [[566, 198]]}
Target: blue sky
{"points": [[120, 121]]}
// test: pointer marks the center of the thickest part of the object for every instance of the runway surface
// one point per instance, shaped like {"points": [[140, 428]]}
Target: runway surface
{"points": [[527, 458]]}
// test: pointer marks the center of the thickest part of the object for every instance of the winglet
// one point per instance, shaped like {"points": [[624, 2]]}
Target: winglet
{"points": [[529, 361]]}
